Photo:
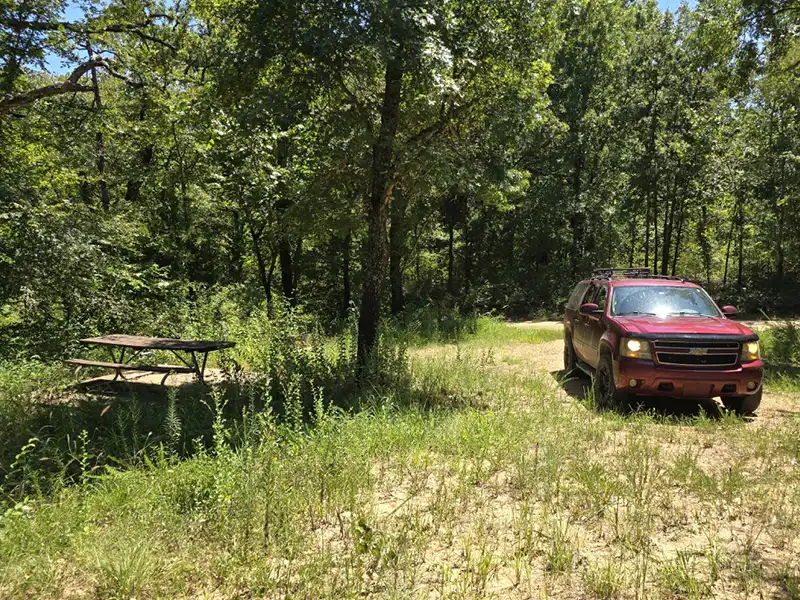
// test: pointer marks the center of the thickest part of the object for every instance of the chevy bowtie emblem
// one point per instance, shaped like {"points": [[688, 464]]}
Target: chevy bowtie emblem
{"points": [[698, 351]]}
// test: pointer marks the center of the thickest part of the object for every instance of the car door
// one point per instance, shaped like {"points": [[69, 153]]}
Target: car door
{"points": [[580, 336], [596, 326]]}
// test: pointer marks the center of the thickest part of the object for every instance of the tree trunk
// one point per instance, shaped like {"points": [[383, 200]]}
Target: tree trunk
{"points": [[739, 274], [348, 241], [287, 274], [84, 188], [779, 253], [296, 270], [398, 233], [669, 220], [468, 247], [450, 257], [651, 180], [577, 218], [255, 236], [655, 233], [728, 254], [678, 238], [237, 243], [134, 187], [705, 247], [632, 250], [647, 232], [99, 146], [382, 174]]}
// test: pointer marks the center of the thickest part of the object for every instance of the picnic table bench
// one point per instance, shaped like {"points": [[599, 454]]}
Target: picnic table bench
{"points": [[186, 351]]}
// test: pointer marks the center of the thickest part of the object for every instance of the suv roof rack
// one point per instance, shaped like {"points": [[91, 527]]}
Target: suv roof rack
{"points": [[630, 273], [610, 273]]}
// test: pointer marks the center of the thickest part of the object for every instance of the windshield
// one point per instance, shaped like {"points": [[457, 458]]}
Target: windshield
{"points": [[662, 301]]}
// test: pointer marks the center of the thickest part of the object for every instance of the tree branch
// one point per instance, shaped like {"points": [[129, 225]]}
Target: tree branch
{"points": [[19, 24], [77, 28], [426, 134], [69, 85]]}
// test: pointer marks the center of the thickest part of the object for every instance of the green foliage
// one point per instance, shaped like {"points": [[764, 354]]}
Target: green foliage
{"points": [[781, 343]]}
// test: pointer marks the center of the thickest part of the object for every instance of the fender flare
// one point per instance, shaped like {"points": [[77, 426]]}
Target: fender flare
{"points": [[607, 348]]}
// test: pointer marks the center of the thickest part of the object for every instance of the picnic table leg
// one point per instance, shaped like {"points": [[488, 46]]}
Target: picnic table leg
{"points": [[203, 368], [117, 371], [197, 369]]}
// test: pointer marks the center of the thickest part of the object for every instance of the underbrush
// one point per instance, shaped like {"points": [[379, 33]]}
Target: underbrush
{"points": [[780, 348], [436, 325]]}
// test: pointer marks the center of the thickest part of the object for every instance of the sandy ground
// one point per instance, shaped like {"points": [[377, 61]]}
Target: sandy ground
{"points": [[174, 380]]}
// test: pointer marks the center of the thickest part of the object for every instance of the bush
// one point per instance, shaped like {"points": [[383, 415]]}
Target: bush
{"points": [[781, 343]]}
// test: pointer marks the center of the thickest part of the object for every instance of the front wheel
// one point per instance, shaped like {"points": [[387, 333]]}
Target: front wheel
{"points": [[570, 362], [743, 405], [606, 394]]}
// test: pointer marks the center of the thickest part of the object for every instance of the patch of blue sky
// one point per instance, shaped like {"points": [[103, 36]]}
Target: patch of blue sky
{"points": [[54, 63], [673, 5]]}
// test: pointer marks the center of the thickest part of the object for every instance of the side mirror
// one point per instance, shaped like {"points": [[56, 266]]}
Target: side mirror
{"points": [[729, 310], [590, 308]]}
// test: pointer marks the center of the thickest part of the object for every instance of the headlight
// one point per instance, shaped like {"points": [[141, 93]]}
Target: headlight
{"points": [[633, 348], [750, 351]]}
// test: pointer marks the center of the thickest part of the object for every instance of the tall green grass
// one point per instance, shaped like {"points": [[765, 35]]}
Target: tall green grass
{"points": [[780, 349]]}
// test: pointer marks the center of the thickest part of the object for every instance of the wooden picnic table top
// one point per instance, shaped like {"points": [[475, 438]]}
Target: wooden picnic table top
{"points": [[139, 342]]}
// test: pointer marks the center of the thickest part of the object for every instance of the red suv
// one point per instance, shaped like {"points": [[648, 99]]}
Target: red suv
{"points": [[640, 334]]}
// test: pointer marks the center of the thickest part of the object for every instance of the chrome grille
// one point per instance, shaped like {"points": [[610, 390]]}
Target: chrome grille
{"points": [[697, 353]]}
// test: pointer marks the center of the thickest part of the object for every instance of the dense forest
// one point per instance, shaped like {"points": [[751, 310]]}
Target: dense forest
{"points": [[353, 160]]}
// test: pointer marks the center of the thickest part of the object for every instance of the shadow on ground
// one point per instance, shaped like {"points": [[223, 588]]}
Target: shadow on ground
{"points": [[577, 386], [103, 422], [121, 422]]}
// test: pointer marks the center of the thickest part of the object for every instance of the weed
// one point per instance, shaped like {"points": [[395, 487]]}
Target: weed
{"points": [[679, 576], [604, 581], [560, 553], [125, 570]]}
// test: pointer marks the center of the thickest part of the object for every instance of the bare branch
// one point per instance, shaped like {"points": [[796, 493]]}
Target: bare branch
{"points": [[67, 86]]}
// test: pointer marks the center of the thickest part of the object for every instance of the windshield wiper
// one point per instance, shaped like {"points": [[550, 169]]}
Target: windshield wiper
{"points": [[638, 312], [689, 314]]}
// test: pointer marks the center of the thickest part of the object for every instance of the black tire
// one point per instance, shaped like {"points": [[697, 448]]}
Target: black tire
{"points": [[743, 405], [606, 394], [570, 361]]}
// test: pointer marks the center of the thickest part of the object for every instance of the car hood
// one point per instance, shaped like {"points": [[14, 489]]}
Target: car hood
{"points": [[643, 324]]}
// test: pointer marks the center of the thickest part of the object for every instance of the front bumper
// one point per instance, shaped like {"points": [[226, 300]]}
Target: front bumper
{"points": [[656, 380]]}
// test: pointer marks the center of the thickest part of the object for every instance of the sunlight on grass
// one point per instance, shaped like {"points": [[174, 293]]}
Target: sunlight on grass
{"points": [[492, 331]]}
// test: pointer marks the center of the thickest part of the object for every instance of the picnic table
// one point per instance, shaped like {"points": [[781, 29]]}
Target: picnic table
{"points": [[186, 351]]}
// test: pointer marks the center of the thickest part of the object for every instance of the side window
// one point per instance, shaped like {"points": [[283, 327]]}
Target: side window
{"points": [[575, 298], [587, 297], [602, 296]]}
